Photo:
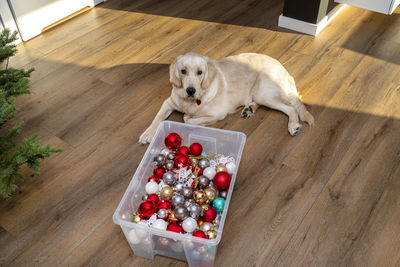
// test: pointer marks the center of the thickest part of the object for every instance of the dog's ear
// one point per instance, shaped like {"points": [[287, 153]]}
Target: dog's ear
{"points": [[209, 74], [174, 77]]}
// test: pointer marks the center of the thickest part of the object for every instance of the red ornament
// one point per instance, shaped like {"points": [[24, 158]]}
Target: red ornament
{"points": [[153, 197], [159, 172], [184, 150], [165, 204], [199, 233], [173, 227], [173, 141], [182, 161], [147, 208], [196, 149], [210, 214], [155, 179], [222, 180]]}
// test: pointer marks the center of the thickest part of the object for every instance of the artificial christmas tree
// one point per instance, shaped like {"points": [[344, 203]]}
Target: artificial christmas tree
{"points": [[14, 82]]}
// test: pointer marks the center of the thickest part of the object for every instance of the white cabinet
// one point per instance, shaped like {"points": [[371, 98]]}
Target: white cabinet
{"points": [[382, 6]]}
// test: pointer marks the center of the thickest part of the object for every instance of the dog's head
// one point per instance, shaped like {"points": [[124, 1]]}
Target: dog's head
{"points": [[191, 74]]}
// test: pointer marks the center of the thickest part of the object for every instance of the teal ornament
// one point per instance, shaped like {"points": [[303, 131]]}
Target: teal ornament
{"points": [[219, 204]]}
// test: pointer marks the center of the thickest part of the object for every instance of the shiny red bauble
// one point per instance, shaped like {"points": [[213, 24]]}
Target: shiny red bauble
{"points": [[158, 172], [173, 141], [165, 204], [199, 233], [195, 149], [184, 150], [147, 208], [222, 180], [153, 178], [210, 214], [173, 227], [181, 161], [153, 197]]}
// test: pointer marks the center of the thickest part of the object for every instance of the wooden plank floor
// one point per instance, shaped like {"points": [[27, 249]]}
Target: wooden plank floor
{"points": [[328, 197]]}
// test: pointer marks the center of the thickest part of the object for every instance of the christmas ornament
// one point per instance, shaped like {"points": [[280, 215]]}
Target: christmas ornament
{"points": [[160, 159], [140, 232], [194, 162], [144, 197], [164, 204], [158, 172], [200, 222], [212, 234], [169, 178], [167, 192], [160, 224], [203, 207], [184, 150], [206, 226], [176, 246], [202, 249], [181, 161], [187, 192], [155, 179], [174, 227], [195, 149], [171, 156], [165, 151], [204, 163], [221, 168], [153, 197], [189, 225], [223, 194], [178, 188], [200, 197], [152, 219], [136, 217], [203, 181], [133, 238], [230, 167], [151, 187], [162, 242], [210, 193], [209, 172], [181, 212], [147, 208], [210, 214], [162, 213], [172, 218], [173, 141], [199, 233], [219, 204], [194, 208], [178, 200], [169, 165], [222, 180]]}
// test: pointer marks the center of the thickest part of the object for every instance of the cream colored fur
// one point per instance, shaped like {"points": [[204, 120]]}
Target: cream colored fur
{"points": [[223, 86]]}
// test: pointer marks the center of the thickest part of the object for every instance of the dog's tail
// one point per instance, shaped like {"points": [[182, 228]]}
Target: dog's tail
{"points": [[295, 101]]}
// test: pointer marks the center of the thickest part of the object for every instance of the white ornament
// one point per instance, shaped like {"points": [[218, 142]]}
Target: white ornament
{"points": [[165, 151], [151, 187], [231, 167], [209, 172], [141, 233], [133, 238], [189, 225], [160, 224]]}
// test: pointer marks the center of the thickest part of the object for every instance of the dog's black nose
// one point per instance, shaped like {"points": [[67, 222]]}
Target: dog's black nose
{"points": [[190, 91]]}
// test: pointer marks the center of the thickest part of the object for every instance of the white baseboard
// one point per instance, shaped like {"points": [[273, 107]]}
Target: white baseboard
{"points": [[307, 27]]}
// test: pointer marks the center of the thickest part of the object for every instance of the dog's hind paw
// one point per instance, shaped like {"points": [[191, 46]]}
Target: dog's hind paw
{"points": [[247, 112]]}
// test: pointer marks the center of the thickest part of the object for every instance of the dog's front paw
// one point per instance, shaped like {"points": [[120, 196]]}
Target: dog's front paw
{"points": [[146, 137], [247, 112], [294, 129]]}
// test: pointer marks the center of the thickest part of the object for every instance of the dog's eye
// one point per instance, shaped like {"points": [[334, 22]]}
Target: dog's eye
{"points": [[199, 72], [183, 72]]}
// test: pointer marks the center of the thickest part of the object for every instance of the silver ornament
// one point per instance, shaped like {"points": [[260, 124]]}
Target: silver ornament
{"points": [[178, 200], [162, 213], [181, 212], [204, 163], [169, 165], [165, 151], [195, 216], [171, 156], [194, 208], [189, 202], [144, 197], [206, 226], [178, 187], [202, 249], [223, 194], [169, 178], [160, 159], [204, 181], [187, 192]]}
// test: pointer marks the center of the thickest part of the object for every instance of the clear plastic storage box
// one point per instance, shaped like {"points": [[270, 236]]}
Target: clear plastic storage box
{"points": [[146, 242]]}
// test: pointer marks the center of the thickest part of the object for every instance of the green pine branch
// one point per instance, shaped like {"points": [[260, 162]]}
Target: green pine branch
{"points": [[15, 82]]}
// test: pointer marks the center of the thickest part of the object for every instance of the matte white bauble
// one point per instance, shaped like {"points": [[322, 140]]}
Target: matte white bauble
{"points": [[152, 188], [209, 172]]}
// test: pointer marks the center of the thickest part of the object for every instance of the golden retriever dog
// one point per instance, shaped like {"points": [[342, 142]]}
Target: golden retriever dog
{"points": [[206, 90]]}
